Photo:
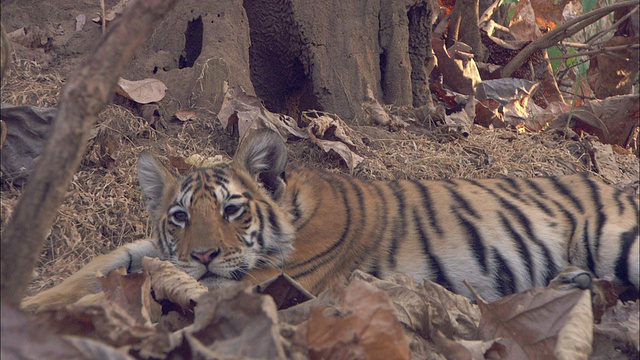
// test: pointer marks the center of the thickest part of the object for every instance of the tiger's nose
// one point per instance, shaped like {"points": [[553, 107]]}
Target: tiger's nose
{"points": [[205, 257]]}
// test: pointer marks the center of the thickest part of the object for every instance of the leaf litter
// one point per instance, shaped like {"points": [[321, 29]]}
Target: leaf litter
{"points": [[236, 323]]}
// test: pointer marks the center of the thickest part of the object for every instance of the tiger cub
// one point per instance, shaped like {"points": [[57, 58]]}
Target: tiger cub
{"points": [[250, 220]]}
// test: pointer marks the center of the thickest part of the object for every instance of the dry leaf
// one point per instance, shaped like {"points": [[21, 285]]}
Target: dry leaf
{"points": [[523, 24], [22, 339], [540, 322], [132, 292], [362, 325], [172, 284], [240, 112], [576, 335], [80, 21], [377, 113], [106, 322], [428, 304], [614, 72], [618, 332], [285, 291], [185, 115], [236, 324], [458, 69], [200, 161], [141, 91], [112, 12], [469, 349], [613, 120], [331, 133]]}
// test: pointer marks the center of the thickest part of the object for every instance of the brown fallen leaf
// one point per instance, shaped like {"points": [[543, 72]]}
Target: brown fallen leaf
{"points": [[614, 72], [613, 120], [618, 332], [132, 292], [240, 112], [172, 284], [540, 323], [361, 325], [23, 339], [458, 68], [185, 115], [141, 91], [469, 349], [331, 133], [425, 306], [285, 291], [236, 323], [106, 322]]}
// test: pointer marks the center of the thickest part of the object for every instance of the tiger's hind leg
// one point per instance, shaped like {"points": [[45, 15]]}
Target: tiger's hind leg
{"points": [[85, 282]]}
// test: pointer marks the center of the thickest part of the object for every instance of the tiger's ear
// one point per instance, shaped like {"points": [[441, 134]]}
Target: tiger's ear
{"points": [[154, 179], [263, 155]]}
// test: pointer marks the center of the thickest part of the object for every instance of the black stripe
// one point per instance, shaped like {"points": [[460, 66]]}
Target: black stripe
{"points": [[551, 269], [503, 277], [436, 268], [162, 237], [540, 205], [634, 204], [573, 225], [523, 251], [428, 205], [355, 232], [261, 227], [514, 184], [381, 222], [535, 187], [461, 201], [297, 212], [130, 265], [602, 217], [247, 195], [338, 188], [616, 196], [399, 230], [622, 268], [511, 183], [474, 239], [585, 240], [187, 185], [273, 220], [563, 190]]}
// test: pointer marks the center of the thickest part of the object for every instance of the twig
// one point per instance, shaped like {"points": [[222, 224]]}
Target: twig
{"points": [[104, 18], [561, 32], [612, 27], [83, 97], [597, 51]]}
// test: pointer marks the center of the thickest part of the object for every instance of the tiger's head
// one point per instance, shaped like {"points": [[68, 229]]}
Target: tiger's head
{"points": [[218, 223]]}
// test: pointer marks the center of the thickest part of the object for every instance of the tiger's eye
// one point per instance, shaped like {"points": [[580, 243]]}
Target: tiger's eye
{"points": [[180, 216], [231, 210]]}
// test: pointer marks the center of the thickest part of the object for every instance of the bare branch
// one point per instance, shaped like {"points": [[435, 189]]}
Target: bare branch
{"points": [[83, 97], [597, 51], [561, 32]]}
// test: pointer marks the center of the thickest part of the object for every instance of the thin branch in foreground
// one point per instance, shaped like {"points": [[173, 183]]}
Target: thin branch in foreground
{"points": [[83, 97]]}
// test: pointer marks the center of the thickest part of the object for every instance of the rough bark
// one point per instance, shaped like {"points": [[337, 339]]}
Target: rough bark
{"points": [[83, 97]]}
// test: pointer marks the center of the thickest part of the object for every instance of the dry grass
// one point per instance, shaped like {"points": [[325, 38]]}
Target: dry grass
{"points": [[103, 208]]}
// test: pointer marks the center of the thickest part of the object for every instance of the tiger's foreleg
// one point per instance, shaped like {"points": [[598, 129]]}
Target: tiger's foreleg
{"points": [[85, 282]]}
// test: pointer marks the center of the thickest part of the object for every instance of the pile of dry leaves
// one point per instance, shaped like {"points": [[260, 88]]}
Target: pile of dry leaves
{"points": [[367, 319]]}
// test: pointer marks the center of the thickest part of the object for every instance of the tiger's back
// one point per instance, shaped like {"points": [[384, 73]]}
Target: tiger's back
{"points": [[502, 235]]}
